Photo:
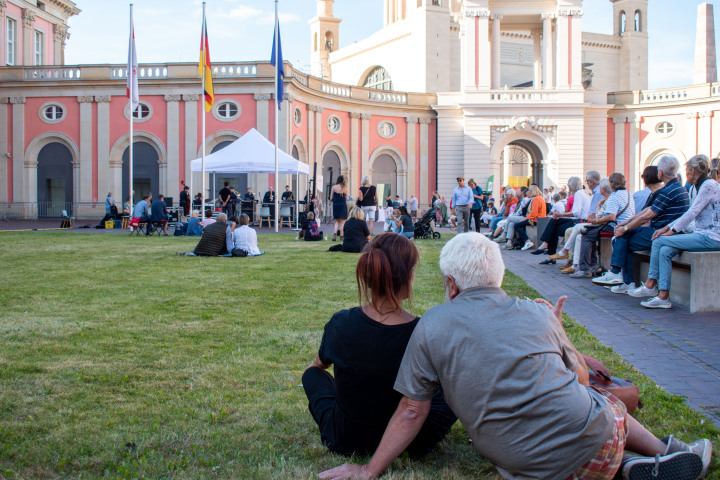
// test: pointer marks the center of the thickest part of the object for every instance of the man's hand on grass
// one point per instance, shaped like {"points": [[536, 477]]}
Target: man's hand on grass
{"points": [[349, 470]]}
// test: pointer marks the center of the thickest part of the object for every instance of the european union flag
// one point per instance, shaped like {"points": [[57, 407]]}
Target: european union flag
{"points": [[279, 66]]}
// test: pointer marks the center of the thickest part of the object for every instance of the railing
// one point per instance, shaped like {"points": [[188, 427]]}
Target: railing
{"points": [[35, 210], [523, 96], [144, 71], [54, 210], [338, 90], [387, 97], [669, 95], [53, 73]]}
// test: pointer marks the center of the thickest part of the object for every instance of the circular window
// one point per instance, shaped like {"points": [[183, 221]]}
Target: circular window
{"points": [[333, 124], [664, 129], [51, 112], [227, 110], [297, 117], [142, 112], [386, 129]]}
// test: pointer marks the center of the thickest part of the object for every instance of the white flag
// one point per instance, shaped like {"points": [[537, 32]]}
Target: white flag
{"points": [[132, 68]]}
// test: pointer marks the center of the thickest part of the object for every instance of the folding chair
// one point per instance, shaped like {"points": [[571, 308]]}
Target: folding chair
{"points": [[136, 226], [285, 213], [157, 227]]}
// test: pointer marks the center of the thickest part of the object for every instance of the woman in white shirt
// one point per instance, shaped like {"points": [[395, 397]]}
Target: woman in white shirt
{"points": [[245, 238]]}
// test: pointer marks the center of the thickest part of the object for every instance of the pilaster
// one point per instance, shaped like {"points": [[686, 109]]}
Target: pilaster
{"points": [[28, 19], [619, 144], [318, 136], [496, 77], [84, 187], [562, 49], [424, 159], [191, 129], [18, 150], [60, 35], [106, 181], [4, 150], [705, 132], [476, 49], [537, 58], [547, 43], [365, 139], [411, 155], [260, 181], [174, 162], [692, 133], [355, 148]]}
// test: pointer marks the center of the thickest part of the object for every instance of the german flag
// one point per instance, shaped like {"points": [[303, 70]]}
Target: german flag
{"points": [[206, 67]]}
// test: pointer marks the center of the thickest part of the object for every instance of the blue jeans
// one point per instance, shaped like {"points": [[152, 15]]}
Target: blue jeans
{"points": [[623, 247], [493, 223], [665, 248], [408, 234], [520, 230]]}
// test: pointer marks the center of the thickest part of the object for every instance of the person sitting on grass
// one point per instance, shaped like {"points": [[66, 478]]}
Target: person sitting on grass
{"points": [[213, 241], [310, 231], [181, 228], [208, 218], [245, 238], [509, 372], [666, 243], [404, 223], [366, 344], [195, 227], [357, 233]]}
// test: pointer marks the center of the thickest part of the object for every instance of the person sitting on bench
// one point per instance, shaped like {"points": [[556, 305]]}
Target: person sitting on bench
{"points": [[141, 211], [159, 213]]}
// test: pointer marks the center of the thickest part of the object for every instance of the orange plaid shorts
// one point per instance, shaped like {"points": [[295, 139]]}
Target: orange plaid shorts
{"points": [[607, 461]]}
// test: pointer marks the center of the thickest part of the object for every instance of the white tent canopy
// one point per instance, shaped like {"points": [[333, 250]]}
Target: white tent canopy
{"points": [[251, 153]]}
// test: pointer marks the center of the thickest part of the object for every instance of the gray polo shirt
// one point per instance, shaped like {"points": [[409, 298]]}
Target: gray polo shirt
{"points": [[507, 368]]}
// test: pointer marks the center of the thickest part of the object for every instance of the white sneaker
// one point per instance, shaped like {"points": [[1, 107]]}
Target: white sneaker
{"points": [[643, 291], [656, 302], [528, 245], [500, 239], [623, 288], [488, 234], [508, 245], [609, 278]]}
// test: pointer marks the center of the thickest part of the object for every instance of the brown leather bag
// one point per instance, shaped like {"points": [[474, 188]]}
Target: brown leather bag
{"points": [[622, 388]]}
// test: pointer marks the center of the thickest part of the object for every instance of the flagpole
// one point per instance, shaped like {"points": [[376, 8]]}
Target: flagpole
{"points": [[202, 110], [277, 67], [130, 106]]}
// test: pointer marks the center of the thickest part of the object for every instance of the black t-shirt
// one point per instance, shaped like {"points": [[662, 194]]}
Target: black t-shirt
{"points": [[407, 223], [368, 197], [224, 194], [355, 235], [287, 196], [367, 357]]}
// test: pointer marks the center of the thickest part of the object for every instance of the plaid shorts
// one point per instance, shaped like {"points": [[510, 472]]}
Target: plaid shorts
{"points": [[608, 459]]}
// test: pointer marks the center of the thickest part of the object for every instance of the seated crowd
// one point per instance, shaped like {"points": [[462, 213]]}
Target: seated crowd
{"points": [[522, 392], [665, 218]]}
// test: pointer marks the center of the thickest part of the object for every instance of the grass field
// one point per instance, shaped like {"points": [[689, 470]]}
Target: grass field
{"points": [[119, 359]]}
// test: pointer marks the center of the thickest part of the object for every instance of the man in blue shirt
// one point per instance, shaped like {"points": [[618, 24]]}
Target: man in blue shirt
{"points": [[141, 211], [669, 204], [592, 179], [159, 213], [462, 199]]}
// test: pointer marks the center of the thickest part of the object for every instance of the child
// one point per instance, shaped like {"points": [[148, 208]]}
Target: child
{"points": [[181, 228], [310, 231]]}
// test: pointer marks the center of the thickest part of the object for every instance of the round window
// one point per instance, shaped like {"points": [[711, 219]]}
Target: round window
{"points": [[386, 129], [334, 124], [51, 112], [297, 117], [142, 111], [664, 129], [226, 110]]}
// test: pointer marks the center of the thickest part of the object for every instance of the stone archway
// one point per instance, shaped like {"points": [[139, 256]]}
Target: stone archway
{"points": [[117, 166], [54, 180], [382, 154], [31, 164], [540, 149], [336, 156]]}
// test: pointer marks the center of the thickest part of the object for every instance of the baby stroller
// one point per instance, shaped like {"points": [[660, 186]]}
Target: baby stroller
{"points": [[423, 228]]}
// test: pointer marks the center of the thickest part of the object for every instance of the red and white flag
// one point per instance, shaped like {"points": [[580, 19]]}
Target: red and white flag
{"points": [[132, 69]]}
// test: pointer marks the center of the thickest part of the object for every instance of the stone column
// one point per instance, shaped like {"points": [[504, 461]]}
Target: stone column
{"points": [[259, 181], [411, 155], [575, 24], [365, 139], [28, 19], [476, 49], [537, 59], [424, 160], [563, 44], [355, 149], [20, 193], [318, 138], [171, 183], [547, 68], [4, 150], [191, 141], [496, 77], [633, 175], [106, 180], [310, 136], [692, 135], [705, 133], [84, 185], [619, 144], [60, 35]]}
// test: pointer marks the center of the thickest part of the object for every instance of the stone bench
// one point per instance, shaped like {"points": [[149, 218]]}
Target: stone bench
{"points": [[695, 278]]}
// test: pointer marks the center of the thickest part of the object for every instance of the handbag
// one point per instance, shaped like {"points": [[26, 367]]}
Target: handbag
{"points": [[239, 252], [626, 391]]}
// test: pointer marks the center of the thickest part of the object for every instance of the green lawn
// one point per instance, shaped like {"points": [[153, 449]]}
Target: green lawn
{"points": [[119, 359]]}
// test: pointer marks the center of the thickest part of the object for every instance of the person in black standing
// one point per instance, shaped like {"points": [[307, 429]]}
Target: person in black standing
{"points": [[185, 199], [233, 202], [225, 200], [366, 345], [367, 200]]}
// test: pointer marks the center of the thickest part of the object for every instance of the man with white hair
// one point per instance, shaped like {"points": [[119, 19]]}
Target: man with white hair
{"points": [[519, 386], [669, 203]]}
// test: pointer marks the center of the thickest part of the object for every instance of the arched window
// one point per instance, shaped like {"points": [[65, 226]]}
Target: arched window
{"points": [[623, 20], [329, 41], [378, 78], [637, 21]]}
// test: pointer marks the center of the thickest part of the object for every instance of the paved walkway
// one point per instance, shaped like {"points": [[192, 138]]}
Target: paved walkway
{"points": [[680, 351]]}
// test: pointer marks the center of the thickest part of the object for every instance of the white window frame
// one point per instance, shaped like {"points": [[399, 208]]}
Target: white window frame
{"points": [[666, 133], [11, 37], [297, 116], [38, 54], [226, 101], [139, 120], [330, 122], [45, 106]]}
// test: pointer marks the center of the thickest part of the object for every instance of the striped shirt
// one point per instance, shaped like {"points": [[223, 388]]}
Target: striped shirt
{"points": [[615, 204], [670, 203]]}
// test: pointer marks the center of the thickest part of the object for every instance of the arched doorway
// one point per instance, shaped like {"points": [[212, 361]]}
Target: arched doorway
{"points": [[330, 171], [146, 171], [384, 176], [522, 159], [237, 180], [54, 180]]}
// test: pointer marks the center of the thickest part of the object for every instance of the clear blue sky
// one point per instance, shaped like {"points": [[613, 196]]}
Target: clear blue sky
{"points": [[241, 30]]}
